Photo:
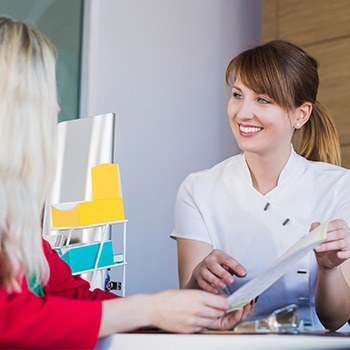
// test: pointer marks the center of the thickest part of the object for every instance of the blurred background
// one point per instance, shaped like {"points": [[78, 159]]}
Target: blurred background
{"points": [[62, 22], [322, 28], [160, 66]]}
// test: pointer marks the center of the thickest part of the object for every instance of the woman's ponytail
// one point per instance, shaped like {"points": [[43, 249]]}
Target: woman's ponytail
{"points": [[318, 139]]}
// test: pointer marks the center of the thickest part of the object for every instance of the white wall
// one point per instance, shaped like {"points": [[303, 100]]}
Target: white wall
{"points": [[160, 65]]}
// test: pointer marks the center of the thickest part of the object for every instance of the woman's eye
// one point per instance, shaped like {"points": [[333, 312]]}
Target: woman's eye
{"points": [[263, 101], [237, 96]]}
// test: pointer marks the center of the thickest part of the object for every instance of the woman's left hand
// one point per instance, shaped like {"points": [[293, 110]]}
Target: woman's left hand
{"points": [[336, 248]]}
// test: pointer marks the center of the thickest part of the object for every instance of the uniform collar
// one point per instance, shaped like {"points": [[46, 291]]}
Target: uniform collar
{"points": [[293, 169]]}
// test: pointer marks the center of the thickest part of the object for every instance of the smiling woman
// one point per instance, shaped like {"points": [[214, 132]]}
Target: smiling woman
{"points": [[234, 220], [260, 125], [284, 75]]}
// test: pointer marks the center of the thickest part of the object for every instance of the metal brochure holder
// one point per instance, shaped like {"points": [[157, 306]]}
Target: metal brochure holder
{"points": [[102, 230], [82, 144]]}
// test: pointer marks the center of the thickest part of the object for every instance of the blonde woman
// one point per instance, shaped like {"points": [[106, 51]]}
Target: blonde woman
{"points": [[238, 217], [41, 304]]}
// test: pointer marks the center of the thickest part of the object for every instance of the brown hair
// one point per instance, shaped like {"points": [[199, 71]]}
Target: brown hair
{"points": [[289, 75]]}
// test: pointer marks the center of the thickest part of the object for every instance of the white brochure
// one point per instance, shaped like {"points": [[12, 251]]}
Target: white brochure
{"points": [[259, 284]]}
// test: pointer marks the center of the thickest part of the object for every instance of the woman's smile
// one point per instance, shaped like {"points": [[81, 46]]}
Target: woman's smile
{"points": [[249, 130]]}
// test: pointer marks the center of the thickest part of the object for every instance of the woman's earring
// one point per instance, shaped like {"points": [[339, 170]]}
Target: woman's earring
{"points": [[297, 125]]}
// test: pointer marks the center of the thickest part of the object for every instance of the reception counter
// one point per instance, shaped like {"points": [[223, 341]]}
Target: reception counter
{"points": [[229, 341]]}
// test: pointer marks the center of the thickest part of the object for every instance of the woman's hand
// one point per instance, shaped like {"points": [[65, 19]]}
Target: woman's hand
{"points": [[189, 311], [336, 248], [215, 271], [230, 320], [332, 291], [180, 311]]}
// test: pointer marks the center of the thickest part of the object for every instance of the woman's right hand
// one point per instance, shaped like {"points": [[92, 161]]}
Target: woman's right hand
{"points": [[215, 271], [187, 311], [180, 311]]}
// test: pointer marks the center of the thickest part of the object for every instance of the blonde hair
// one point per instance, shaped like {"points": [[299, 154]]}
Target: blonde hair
{"points": [[28, 118], [289, 75]]}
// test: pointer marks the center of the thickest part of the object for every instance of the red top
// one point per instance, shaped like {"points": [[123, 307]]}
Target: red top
{"points": [[67, 317]]}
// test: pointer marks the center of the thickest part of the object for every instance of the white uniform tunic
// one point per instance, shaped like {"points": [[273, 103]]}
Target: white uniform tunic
{"points": [[221, 207]]}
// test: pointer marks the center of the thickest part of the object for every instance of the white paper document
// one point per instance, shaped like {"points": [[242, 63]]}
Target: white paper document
{"points": [[259, 284]]}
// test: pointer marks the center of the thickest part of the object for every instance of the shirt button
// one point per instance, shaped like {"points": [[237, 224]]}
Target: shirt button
{"points": [[303, 300]]}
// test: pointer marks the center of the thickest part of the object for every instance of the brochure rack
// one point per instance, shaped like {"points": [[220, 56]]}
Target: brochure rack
{"points": [[93, 252], [95, 256]]}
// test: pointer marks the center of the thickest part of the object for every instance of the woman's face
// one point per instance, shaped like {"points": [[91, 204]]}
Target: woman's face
{"points": [[259, 125]]}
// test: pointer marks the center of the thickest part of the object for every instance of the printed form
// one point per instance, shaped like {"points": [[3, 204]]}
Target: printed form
{"points": [[259, 284]]}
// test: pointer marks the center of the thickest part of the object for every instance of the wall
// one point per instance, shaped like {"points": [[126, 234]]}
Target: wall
{"points": [[160, 64], [322, 28], [61, 21]]}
